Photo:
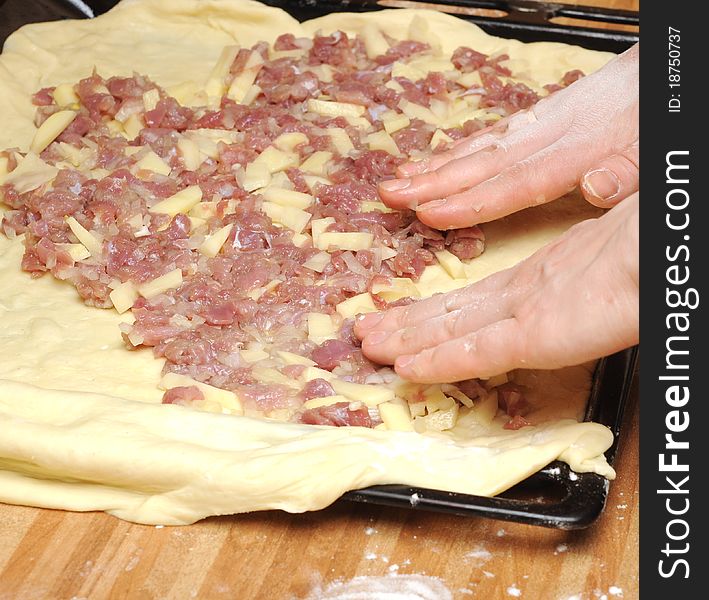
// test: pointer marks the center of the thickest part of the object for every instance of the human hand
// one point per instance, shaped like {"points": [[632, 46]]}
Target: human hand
{"points": [[585, 133], [573, 300]]}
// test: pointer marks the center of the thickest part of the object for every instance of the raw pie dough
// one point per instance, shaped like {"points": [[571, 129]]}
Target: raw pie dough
{"points": [[81, 424]]}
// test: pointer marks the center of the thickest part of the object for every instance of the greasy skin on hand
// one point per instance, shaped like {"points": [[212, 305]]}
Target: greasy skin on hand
{"points": [[574, 300], [585, 133]]}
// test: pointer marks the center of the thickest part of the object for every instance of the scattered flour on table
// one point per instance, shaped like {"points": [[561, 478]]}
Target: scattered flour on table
{"points": [[479, 554], [615, 591], [513, 590], [370, 531], [501, 533], [561, 548], [391, 587]]}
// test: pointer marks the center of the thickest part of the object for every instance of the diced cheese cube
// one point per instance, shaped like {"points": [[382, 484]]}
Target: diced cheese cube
{"points": [[181, 202], [50, 129], [204, 210], [312, 181], [256, 175], [354, 240], [470, 80], [439, 108], [244, 80], [294, 219], [392, 84], [131, 150], [320, 328], [64, 95], [406, 71], [288, 141], [341, 140], [417, 409], [287, 197], [318, 227], [395, 416], [373, 206], [324, 401], [253, 355], [360, 122], [215, 82], [451, 263], [76, 251], [228, 400], [335, 109], [191, 156], [152, 162], [396, 289], [251, 94], [294, 53], [276, 160], [416, 111], [381, 140], [374, 42], [150, 99], [318, 262], [290, 358], [394, 121], [92, 243], [315, 164], [258, 292], [324, 72], [440, 137], [435, 399], [387, 252], [99, 174], [485, 408], [133, 126], [269, 375], [196, 222], [213, 244], [310, 373], [31, 173], [301, 239], [371, 395], [359, 304], [452, 391], [440, 420], [124, 296], [162, 284]]}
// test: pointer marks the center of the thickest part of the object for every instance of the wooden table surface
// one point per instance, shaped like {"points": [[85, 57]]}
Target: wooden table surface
{"points": [[274, 556]]}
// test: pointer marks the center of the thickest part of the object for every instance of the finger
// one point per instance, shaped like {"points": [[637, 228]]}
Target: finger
{"points": [[538, 179], [384, 346], [468, 145], [470, 170], [464, 147], [613, 179], [495, 349], [435, 306]]}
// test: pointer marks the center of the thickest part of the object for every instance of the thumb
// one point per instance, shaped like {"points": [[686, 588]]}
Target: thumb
{"points": [[613, 179]]}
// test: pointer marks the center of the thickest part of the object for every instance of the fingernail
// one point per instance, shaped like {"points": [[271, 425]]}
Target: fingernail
{"points": [[601, 183], [395, 185], [432, 205], [376, 337]]}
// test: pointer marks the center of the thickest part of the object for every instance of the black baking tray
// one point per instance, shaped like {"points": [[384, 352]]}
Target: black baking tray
{"points": [[554, 496]]}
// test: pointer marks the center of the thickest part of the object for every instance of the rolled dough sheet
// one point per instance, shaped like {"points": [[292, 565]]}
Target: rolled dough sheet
{"points": [[81, 424]]}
